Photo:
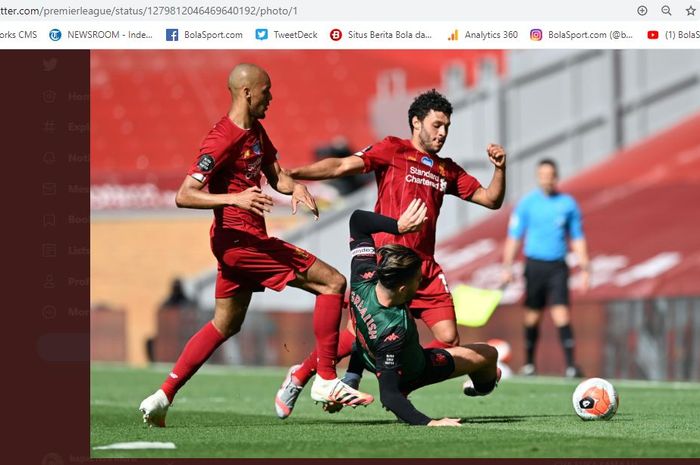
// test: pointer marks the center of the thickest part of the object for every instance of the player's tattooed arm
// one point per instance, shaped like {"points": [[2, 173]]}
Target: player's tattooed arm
{"points": [[329, 168], [280, 180]]}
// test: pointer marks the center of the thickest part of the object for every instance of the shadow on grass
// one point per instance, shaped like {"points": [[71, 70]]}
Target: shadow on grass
{"points": [[348, 422], [221, 419], [466, 420], [519, 418], [218, 419], [507, 418]]}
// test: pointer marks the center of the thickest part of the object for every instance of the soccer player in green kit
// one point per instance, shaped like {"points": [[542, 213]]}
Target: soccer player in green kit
{"points": [[382, 285]]}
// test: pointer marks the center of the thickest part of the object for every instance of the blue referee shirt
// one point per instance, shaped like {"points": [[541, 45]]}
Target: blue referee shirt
{"points": [[546, 221]]}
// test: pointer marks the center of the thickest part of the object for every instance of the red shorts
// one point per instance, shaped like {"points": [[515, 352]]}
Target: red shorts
{"points": [[433, 301], [264, 263]]}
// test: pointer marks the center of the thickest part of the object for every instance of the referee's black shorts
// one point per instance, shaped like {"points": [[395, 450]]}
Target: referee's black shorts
{"points": [[547, 283]]}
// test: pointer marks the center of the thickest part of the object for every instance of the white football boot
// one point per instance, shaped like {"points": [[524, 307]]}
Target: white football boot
{"points": [[336, 391], [154, 409]]}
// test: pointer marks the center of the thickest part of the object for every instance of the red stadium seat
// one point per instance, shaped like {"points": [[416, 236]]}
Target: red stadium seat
{"points": [[150, 109]]}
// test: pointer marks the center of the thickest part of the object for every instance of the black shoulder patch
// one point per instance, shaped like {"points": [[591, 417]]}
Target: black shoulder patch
{"points": [[205, 163]]}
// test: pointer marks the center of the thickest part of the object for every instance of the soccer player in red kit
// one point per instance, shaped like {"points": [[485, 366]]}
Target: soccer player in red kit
{"points": [[232, 157], [406, 170]]}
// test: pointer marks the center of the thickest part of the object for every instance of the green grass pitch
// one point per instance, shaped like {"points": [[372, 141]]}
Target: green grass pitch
{"points": [[229, 412]]}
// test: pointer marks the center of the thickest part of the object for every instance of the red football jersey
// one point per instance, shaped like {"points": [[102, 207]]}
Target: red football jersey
{"points": [[404, 173], [230, 161]]}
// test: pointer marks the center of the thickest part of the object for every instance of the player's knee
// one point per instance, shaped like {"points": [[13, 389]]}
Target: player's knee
{"points": [[490, 354], [227, 327], [230, 330], [448, 336], [336, 284]]}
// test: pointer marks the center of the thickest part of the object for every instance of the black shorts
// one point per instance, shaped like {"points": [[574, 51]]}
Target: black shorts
{"points": [[439, 366], [547, 283]]}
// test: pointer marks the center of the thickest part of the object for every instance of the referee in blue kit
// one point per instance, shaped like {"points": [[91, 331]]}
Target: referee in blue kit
{"points": [[548, 219]]}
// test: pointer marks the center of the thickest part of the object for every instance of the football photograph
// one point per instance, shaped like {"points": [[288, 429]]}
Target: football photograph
{"points": [[438, 253]]}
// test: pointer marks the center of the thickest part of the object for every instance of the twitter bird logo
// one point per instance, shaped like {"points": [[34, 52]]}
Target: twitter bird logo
{"points": [[261, 34]]}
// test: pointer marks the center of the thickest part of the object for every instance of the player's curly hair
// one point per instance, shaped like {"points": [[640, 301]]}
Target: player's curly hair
{"points": [[397, 264], [430, 100]]}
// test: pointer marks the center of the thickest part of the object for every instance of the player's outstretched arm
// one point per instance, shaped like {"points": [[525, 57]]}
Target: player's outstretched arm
{"points": [[399, 405], [191, 195], [394, 401], [493, 195], [388, 364], [280, 181], [365, 223], [329, 168]]}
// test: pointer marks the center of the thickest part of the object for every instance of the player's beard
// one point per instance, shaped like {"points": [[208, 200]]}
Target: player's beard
{"points": [[260, 114], [429, 145], [258, 111]]}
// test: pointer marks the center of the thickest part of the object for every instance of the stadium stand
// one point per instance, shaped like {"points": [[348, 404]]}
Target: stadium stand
{"points": [[151, 109], [641, 318], [638, 219], [149, 112], [589, 130]]}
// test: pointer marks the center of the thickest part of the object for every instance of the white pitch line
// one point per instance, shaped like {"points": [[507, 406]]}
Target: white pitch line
{"points": [[137, 445], [106, 403]]}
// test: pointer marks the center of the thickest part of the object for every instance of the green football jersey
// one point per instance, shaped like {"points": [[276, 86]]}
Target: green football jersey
{"points": [[379, 328], [386, 337]]}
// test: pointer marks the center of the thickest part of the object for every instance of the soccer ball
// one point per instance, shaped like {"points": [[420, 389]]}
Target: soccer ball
{"points": [[595, 399]]}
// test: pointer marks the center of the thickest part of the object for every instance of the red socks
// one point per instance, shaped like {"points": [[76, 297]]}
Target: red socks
{"points": [[308, 366], [327, 313], [326, 320], [197, 350]]}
